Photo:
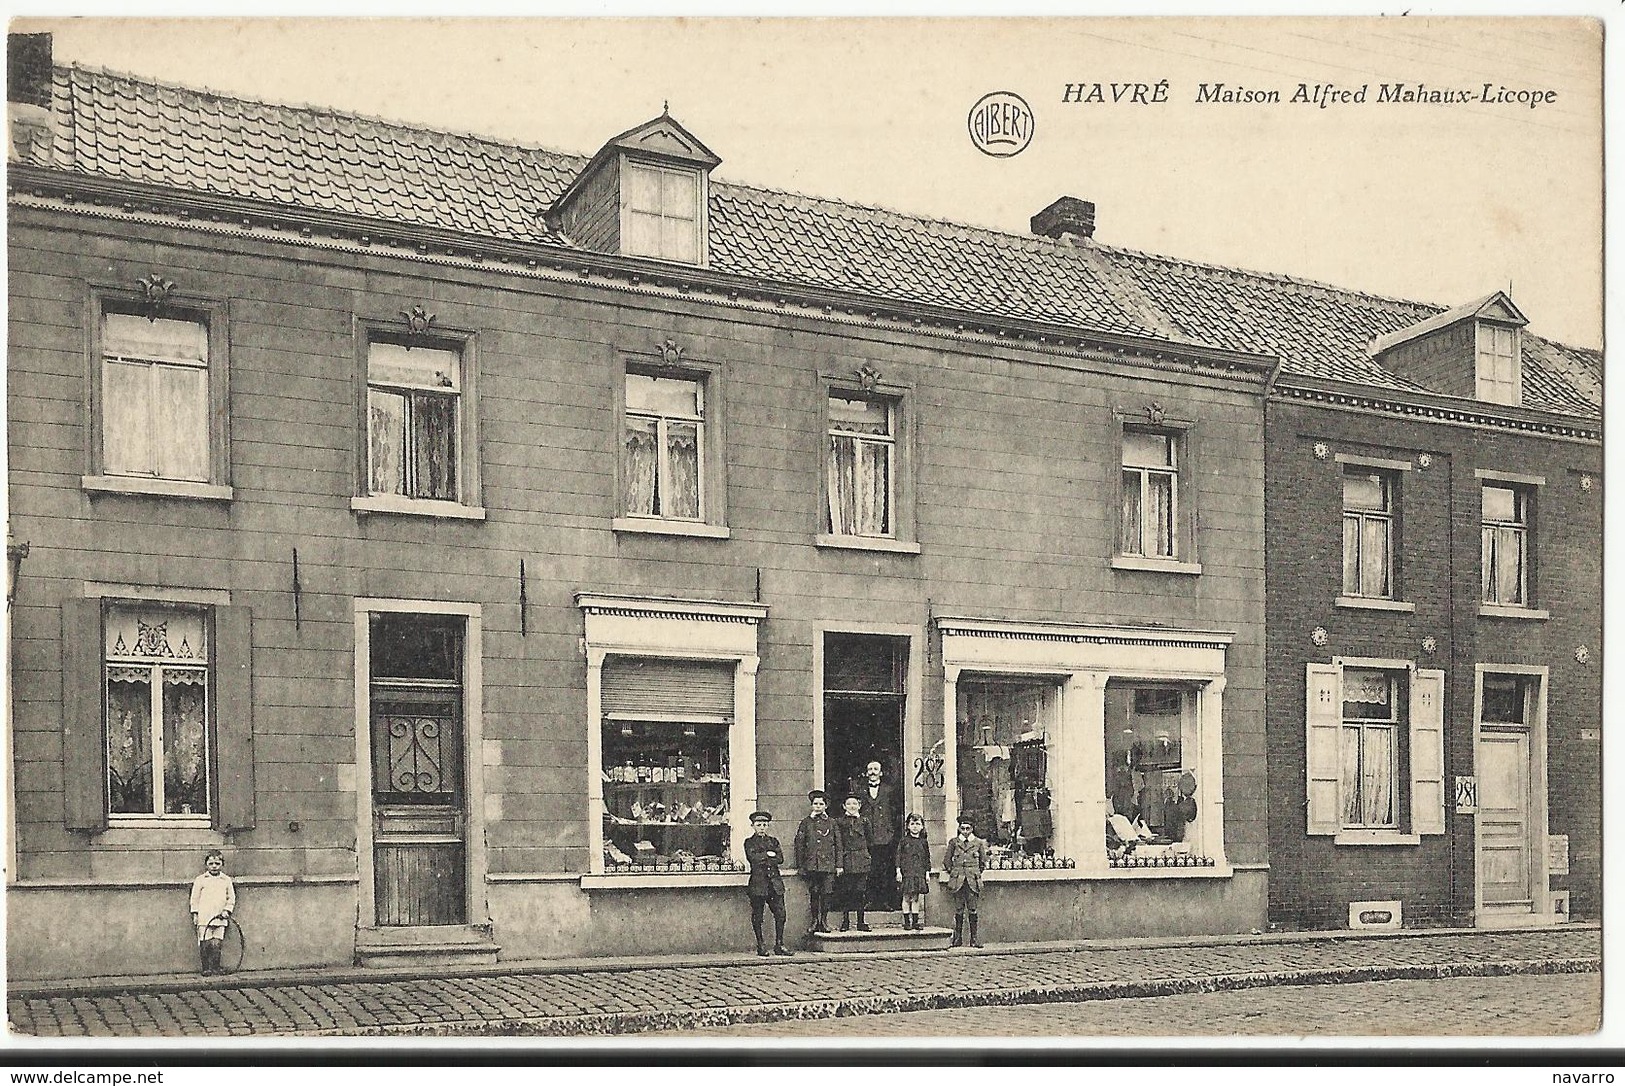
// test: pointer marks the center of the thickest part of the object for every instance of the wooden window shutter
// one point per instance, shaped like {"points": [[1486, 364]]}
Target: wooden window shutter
{"points": [[1324, 726], [234, 718], [84, 748], [647, 689], [1427, 752]]}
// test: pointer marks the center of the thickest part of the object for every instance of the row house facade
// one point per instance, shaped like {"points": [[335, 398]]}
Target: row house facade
{"points": [[467, 537], [1434, 567]]}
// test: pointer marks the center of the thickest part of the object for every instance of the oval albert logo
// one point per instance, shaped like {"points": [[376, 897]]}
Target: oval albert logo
{"points": [[1000, 124]]}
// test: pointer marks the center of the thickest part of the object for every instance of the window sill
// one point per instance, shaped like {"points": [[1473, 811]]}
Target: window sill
{"points": [[164, 832], [1074, 874], [415, 507], [1156, 565], [1528, 614], [1376, 837], [1371, 603], [672, 881], [866, 543], [155, 488], [653, 526]]}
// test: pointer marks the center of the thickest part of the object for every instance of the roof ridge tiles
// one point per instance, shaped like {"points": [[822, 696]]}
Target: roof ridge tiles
{"points": [[315, 110]]}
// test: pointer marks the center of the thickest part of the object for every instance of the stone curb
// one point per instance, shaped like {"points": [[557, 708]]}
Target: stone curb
{"points": [[625, 1022], [283, 978]]}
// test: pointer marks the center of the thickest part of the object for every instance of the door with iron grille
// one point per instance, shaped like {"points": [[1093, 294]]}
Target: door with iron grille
{"points": [[419, 873]]}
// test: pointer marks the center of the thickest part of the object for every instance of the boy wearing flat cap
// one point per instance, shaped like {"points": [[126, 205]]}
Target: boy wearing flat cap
{"points": [[965, 861], [817, 856], [765, 888]]}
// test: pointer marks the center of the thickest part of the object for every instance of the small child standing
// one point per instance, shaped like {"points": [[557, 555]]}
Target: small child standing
{"points": [[213, 899], [965, 861], [852, 876], [914, 868]]}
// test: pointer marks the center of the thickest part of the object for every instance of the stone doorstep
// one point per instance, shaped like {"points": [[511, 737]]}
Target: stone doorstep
{"points": [[880, 939], [427, 947], [327, 974]]}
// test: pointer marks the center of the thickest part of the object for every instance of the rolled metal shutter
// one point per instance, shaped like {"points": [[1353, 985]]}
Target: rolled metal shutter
{"points": [[635, 688]]}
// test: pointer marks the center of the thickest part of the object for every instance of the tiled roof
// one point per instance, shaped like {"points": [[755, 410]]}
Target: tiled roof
{"points": [[120, 126]]}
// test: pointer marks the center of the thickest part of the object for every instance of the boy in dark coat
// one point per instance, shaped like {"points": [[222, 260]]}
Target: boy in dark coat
{"points": [[852, 868], [965, 861], [765, 888], [817, 857]]}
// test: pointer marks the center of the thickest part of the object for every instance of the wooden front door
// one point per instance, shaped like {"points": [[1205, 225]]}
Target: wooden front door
{"points": [[417, 758], [1505, 857]]}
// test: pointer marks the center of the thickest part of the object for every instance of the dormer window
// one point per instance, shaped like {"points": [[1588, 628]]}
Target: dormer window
{"points": [[661, 205], [643, 194], [1499, 371]]}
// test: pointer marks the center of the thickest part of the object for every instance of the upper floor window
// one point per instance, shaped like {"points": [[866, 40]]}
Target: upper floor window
{"points": [[860, 487], [1505, 545], [663, 471], [662, 212], [155, 397], [158, 712], [1499, 370], [1150, 494], [413, 402], [1368, 533]]}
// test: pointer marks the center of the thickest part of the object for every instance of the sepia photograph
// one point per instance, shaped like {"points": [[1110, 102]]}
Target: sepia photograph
{"points": [[758, 532]]}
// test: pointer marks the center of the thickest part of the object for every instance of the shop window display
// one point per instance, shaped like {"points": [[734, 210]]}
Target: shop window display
{"points": [[1006, 729], [666, 796], [1152, 804]]}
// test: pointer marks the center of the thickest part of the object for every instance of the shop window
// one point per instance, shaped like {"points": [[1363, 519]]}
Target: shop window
{"points": [[663, 447], [1007, 730], [158, 712], [666, 764], [1375, 751], [1150, 512], [662, 209], [861, 480], [1368, 533], [1505, 545], [1153, 809]]}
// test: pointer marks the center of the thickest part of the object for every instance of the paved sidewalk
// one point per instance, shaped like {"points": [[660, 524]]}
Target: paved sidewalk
{"points": [[576, 999]]}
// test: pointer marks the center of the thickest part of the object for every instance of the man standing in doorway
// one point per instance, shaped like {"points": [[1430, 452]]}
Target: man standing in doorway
{"points": [[883, 809]]}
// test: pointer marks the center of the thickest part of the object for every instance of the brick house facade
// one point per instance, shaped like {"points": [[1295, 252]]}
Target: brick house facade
{"points": [[466, 537]]}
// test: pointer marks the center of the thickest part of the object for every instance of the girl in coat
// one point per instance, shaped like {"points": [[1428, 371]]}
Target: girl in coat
{"points": [[914, 868]]}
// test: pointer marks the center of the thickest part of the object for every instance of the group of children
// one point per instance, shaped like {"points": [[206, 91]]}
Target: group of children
{"points": [[833, 855]]}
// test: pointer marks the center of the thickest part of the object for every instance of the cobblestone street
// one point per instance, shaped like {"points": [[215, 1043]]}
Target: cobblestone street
{"points": [[549, 999], [1511, 1006]]}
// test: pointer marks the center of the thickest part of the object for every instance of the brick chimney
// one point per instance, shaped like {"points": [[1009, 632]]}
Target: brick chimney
{"points": [[28, 96], [1067, 219]]}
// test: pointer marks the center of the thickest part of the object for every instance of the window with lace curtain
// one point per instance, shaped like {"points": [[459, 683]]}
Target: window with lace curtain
{"points": [[1370, 747], [663, 447], [1368, 533], [1150, 515], [1504, 550], [413, 400], [861, 469], [158, 711]]}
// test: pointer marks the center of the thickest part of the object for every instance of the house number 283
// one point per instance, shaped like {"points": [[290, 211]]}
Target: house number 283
{"points": [[928, 772]]}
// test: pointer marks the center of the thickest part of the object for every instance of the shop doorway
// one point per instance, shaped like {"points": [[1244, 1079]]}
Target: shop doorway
{"points": [[864, 705]]}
